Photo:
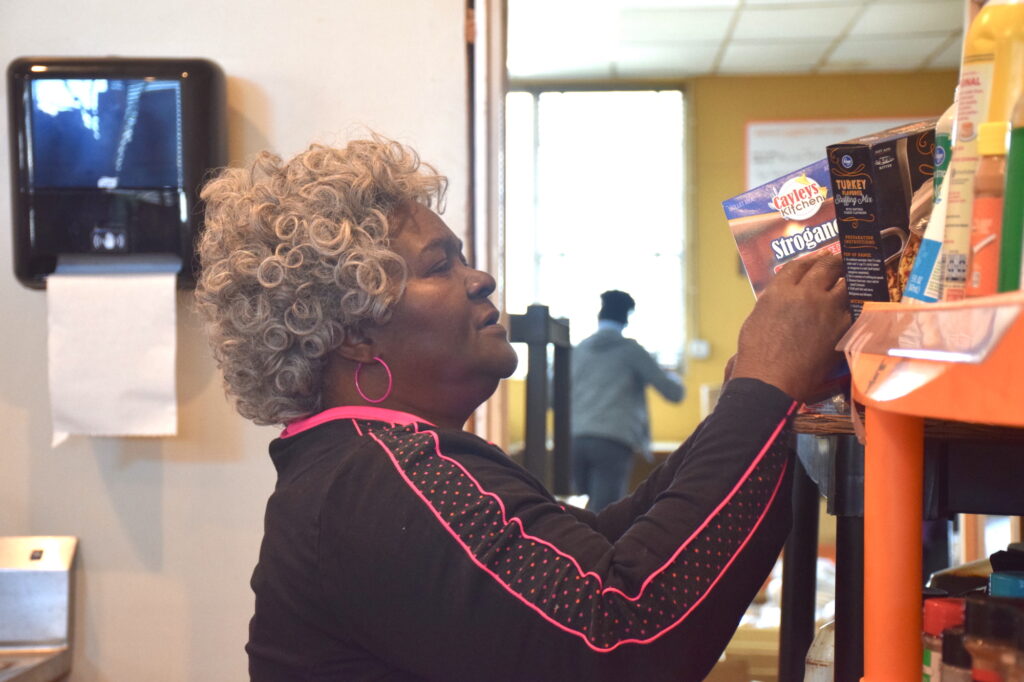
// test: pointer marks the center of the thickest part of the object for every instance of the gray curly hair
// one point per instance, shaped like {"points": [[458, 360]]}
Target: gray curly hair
{"points": [[295, 256]]}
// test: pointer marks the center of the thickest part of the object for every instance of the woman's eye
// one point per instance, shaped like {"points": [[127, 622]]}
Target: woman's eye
{"points": [[441, 267]]}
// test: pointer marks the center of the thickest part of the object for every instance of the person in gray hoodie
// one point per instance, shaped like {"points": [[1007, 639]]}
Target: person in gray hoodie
{"points": [[609, 407]]}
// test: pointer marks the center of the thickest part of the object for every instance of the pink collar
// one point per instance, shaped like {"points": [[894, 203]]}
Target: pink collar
{"points": [[377, 414]]}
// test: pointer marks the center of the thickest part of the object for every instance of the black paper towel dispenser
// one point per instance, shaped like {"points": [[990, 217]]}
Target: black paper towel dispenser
{"points": [[107, 159]]}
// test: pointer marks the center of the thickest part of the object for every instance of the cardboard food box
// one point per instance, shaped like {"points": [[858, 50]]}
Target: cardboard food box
{"points": [[874, 179], [782, 220]]}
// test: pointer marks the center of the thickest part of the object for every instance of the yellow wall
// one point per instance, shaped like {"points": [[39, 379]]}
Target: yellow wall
{"points": [[719, 109], [516, 398]]}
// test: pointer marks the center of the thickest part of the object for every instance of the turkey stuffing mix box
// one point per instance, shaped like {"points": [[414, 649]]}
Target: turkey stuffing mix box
{"points": [[874, 179]]}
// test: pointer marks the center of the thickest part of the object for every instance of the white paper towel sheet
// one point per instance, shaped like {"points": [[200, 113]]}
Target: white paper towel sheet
{"points": [[112, 349]]}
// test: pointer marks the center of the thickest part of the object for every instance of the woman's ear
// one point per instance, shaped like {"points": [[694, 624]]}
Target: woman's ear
{"points": [[357, 347]]}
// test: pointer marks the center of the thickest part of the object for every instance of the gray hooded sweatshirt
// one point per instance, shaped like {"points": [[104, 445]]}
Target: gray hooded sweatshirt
{"points": [[609, 374]]}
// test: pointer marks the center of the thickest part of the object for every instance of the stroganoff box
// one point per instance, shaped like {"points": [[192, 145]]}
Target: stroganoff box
{"points": [[782, 220]]}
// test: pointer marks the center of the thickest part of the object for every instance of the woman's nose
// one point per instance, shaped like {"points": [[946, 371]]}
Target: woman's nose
{"points": [[480, 284]]}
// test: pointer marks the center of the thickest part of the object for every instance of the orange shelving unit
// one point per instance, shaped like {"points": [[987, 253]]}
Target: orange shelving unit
{"points": [[959, 361]]}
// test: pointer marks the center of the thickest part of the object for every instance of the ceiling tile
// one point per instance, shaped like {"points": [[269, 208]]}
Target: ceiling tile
{"points": [[564, 55], [782, 57], [532, 23], [539, 43], [565, 39], [645, 61], [793, 23], [564, 71], [902, 18], [883, 53], [676, 25], [801, 4], [668, 4], [949, 57]]}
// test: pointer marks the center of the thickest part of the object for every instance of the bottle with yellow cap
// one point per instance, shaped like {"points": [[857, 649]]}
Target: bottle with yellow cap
{"points": [[987, 211], [991, 80]]}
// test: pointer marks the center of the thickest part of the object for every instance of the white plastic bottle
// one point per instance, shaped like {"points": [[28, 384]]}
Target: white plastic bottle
{"points": [[925, 282], [819, 666], [924, 285], [943, 144]]}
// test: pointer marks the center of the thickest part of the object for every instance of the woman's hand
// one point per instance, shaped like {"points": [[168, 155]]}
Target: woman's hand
{"points": [[789, 339]]}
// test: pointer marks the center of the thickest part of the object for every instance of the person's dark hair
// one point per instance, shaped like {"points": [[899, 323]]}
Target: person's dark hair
{"points": [[616, 305]]}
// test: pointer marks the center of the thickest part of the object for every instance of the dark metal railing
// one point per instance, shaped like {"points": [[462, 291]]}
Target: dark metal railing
{"points": [[536, 328]]}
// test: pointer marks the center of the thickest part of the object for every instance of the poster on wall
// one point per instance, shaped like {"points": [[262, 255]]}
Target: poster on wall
{"points": [[775, 148]]}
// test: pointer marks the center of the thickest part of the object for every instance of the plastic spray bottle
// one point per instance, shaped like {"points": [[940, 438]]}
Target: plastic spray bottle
{"points": [[1012, 242], [987, 214], [991, 80]]}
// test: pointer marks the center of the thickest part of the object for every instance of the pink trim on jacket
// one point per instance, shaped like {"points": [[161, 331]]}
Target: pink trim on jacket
{"points": [[377, 414], [508, 520]]}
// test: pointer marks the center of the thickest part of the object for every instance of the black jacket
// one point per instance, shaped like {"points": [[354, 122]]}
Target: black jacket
{"points": [[394, 550]]}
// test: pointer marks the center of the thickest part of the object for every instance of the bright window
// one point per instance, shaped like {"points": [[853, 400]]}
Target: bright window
{"points": [[595, 201]]}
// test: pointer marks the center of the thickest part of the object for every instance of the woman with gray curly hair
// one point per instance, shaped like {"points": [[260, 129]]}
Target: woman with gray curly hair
{"points": [[398, 546], [310, 269]]}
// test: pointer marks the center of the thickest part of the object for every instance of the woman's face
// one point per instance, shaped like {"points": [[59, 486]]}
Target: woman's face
{"points": [[443, 341]]}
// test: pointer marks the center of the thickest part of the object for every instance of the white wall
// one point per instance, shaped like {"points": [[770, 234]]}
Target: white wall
{"points": [[170, 528]]}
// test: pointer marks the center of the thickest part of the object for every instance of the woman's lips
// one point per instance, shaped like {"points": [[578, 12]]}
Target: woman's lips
{"points": [[491, 320]]}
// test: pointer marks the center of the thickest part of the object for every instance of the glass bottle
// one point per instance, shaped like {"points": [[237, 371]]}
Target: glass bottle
{"points": [[990, 627], [1017, 669], [940, 613], [956, 660]]}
